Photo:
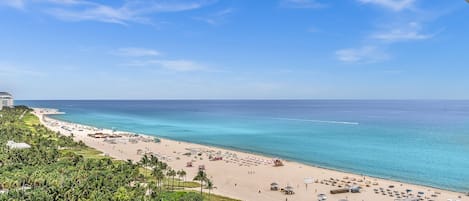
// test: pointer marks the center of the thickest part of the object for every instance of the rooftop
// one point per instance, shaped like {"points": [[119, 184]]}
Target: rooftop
{"points": [[5, 94]]}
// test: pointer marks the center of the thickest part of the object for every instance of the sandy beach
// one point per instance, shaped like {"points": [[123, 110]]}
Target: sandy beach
{"points": [[247, 176]]}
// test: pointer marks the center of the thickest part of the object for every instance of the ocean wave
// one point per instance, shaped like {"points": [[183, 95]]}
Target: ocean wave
{"points": [[319, 121]]}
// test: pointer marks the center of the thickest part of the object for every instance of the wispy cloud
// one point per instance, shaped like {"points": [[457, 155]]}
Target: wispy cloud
{"points": [[66, 2], [365, 54], [18, 4], [401, 28], [99, 13], [217, 17], [135, 52], [13, 70], [301, 4], [173, 65], [144, 57], [407, 32], [395, 5], [131, 11]]}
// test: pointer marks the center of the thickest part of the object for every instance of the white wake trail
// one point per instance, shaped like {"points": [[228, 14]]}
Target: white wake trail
{"points": [[319, 121]]}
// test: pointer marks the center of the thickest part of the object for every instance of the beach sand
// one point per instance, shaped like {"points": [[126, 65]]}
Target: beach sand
{"points": [[247, 176]]}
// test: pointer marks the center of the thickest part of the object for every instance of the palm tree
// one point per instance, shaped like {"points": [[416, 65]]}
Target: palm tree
{"points": [[178, 173], [179, 177], [159, 176], [170, 173], [182, 174], [153, 160], [144, 161], [209, 187], [201, 177]]}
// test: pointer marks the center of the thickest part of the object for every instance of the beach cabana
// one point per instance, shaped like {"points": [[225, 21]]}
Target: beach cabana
{"points": [[338, 191], [411, 199], [355, 189], [288, 190], [274, 186], [216, 158], [322, 197], [201, 167], [277, 162]]}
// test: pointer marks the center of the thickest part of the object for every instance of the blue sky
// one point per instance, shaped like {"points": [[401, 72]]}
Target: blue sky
{"points": [[234, 49]]}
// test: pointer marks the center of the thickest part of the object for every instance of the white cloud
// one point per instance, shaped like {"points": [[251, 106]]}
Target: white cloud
{"points": [[67, 2], [395, 5], [145, 7], [301, 4], [130, 11], [401, 35], [180, 65], [173, 65], [12, 70], [408, 32], [216, 18], [97, 12], [18, 4], [135, 52], [365, 54]]}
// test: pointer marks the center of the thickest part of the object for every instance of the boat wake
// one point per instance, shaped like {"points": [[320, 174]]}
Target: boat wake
{"points": [[320, 121]]}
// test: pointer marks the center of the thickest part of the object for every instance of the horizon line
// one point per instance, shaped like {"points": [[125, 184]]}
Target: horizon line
{"points": [[251, 99]]}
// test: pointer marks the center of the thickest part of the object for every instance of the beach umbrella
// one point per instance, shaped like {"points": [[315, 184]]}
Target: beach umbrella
{"points": [[274, 184], [421, 193], [288, 190], [408, 190], [322, 196]]}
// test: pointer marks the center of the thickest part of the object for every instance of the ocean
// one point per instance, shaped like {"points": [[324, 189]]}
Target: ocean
{"points": [[416, 141]]}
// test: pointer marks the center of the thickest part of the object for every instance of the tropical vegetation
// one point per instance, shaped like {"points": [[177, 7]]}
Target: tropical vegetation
{"points": [[55, 167]]}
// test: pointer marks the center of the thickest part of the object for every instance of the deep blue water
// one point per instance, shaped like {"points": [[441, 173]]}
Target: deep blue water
{"points": [[423, 142]]}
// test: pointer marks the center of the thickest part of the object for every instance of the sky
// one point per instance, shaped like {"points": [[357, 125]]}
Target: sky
{"points": [[234, 49]]}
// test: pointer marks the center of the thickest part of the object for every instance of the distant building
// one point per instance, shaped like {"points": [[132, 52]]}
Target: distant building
{"points": [[6, 100]]}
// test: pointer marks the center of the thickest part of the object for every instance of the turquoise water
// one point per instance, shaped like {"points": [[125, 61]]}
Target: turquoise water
{"points": [[423, 142]]}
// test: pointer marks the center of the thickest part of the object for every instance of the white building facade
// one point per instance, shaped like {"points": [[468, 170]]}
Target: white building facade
{"points": [[6, 100]]}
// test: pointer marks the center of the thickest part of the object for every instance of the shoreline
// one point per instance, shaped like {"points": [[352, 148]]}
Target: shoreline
{"points": [[289, 164], [263, 154]]}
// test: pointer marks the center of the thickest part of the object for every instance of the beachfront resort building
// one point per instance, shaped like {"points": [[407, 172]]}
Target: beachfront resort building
{"points": [[6, 100]]}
